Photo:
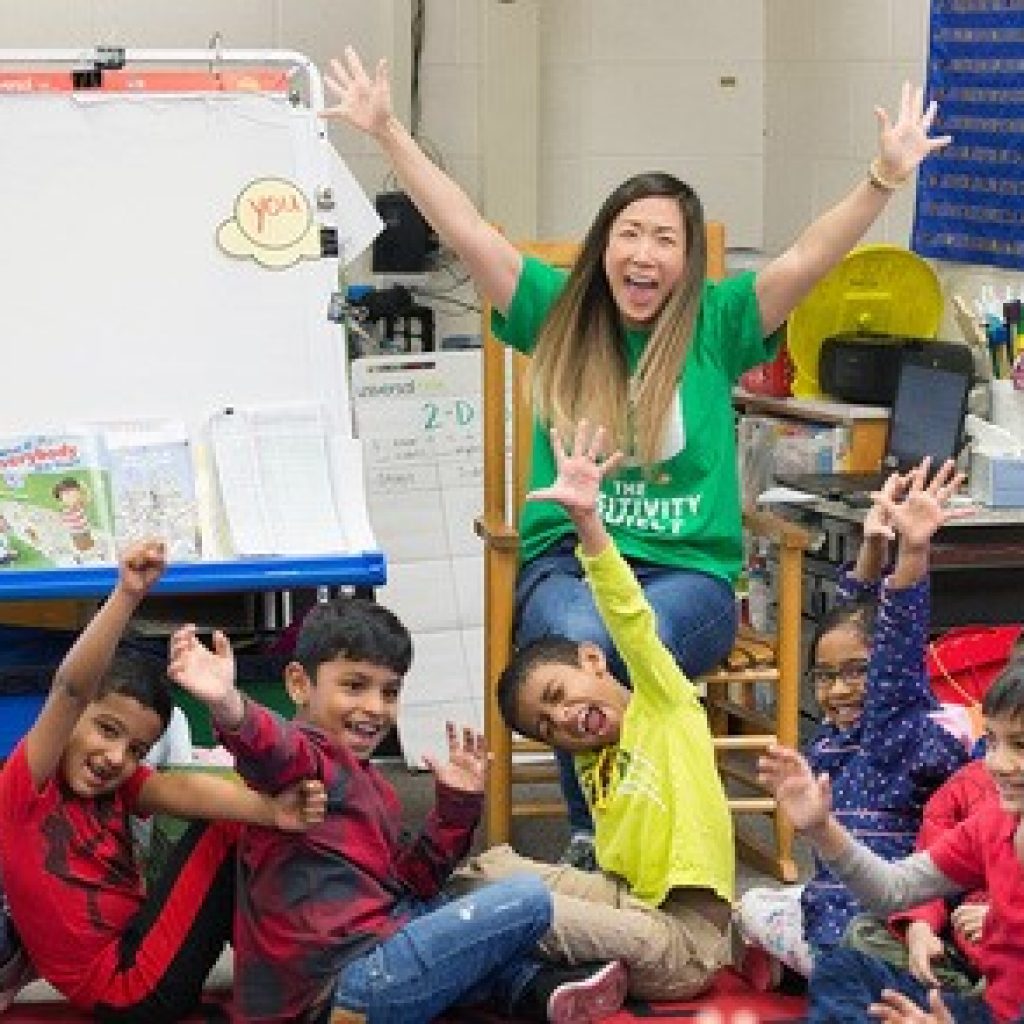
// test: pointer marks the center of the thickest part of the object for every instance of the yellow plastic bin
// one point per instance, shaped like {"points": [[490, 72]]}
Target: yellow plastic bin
{"points": [[875, 289]]}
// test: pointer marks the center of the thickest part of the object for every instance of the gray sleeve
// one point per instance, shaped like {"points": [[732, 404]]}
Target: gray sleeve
{"points": [[887, 886]]}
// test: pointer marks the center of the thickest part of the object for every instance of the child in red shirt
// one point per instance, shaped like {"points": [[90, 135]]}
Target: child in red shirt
{"points": [[986, 850], [76, 894]]}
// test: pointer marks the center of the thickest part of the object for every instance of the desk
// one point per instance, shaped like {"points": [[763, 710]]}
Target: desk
{"points": [[977, 564], [868, 424]]}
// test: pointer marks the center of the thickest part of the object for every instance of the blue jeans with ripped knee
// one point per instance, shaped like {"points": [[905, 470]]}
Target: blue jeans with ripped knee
{"points": [[696, 616], [453, 952]]}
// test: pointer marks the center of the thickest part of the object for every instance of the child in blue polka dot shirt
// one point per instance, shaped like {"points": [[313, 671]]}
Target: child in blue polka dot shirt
{"points": [[878, 740]]}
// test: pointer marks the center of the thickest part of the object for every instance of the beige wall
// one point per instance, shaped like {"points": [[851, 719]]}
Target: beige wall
{"points": [[764, 105], [827, 65]]}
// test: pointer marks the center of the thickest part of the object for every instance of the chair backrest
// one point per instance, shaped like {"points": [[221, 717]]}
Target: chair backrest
{"points": [[501, 506]]}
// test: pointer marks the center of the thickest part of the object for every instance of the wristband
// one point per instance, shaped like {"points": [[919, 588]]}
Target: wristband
{"points": [[878, 178]]}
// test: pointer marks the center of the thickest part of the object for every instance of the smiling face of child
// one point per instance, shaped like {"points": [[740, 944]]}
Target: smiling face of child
{"points": [[354, 702], [1004, 758], [840, 673], [111, 737]]}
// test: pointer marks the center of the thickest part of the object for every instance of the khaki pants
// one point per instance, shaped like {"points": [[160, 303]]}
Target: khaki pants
{"points": [[670, 952]]}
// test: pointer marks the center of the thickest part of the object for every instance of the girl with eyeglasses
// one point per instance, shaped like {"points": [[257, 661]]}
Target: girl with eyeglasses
{"points": [[878, 741]]}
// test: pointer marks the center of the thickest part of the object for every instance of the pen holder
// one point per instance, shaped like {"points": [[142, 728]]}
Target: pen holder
{"points": [[1008, 408]]}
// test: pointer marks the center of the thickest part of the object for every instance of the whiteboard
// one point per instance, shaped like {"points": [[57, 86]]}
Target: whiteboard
{"points": [[116, 299]]}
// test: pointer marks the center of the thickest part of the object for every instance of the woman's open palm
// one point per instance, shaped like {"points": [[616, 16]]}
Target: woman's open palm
{"points": [[905, 142], [363, 102]]}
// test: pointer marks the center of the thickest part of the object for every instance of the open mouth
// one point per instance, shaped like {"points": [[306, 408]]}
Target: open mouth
{"points": [[96, 775], [641, 291], [1010, 792], [362, 733], [592, 721]]}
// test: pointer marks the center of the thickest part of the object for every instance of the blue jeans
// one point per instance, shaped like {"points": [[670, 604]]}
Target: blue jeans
{"points": [[480, 947], [845, 982], [696, 616]]}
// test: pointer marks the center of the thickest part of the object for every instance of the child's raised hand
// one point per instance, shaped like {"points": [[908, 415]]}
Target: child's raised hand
{"points": [[878, 518], [209, 675], [466, 768], [300, 806], [363, 102], [140, 566], [925, 506], [579, 471], [786, 774]]}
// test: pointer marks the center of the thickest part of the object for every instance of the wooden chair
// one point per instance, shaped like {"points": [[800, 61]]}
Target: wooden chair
{"points": [[740, 729]]}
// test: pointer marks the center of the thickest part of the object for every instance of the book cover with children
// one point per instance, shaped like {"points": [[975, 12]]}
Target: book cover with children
{"points": [[54, 502]]}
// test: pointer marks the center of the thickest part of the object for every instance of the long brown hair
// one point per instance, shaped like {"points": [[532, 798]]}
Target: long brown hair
{"points": [[579, 369]]}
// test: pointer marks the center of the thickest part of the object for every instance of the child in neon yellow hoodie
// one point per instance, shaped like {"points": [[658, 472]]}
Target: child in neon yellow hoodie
{"points": [[645, 757]]}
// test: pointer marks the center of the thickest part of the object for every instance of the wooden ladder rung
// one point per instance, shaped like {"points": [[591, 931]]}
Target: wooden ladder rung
{"points": [[751, 804], [753, 741], [753, 674], [539, 809], [534, 773]]}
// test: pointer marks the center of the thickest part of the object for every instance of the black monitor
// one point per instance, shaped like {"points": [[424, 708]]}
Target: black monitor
{"points": [[927, 416]]}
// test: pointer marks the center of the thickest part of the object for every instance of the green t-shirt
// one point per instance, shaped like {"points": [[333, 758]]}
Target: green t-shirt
{"points": [[687, 512], [661, 820]]}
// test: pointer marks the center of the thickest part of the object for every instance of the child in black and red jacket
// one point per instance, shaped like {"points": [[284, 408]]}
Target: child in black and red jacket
{"points": [[355, 915]]}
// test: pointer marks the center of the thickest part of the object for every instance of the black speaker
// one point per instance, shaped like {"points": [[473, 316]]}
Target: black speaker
{"points": [[402, 247], [864, 368]]}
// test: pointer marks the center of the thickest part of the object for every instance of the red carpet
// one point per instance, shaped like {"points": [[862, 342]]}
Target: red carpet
{"points": [[729, 995]]}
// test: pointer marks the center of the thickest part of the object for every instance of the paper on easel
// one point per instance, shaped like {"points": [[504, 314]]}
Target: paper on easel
{"points": [[274, 471]]}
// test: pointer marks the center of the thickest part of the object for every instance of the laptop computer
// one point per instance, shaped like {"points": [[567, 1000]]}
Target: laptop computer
{"points": [[927, 418]]}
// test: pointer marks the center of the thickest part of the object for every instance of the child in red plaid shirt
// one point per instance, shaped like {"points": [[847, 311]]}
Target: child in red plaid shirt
{"points": [[355, 914]]}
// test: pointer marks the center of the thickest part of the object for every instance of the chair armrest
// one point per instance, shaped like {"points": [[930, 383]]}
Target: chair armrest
{"points": [[496, 534], [777, 529]]}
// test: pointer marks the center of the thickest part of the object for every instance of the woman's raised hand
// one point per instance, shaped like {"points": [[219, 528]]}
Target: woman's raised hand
{"points": [[903, 144], [363, 102]]}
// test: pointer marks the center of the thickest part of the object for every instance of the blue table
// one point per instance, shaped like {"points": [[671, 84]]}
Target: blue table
{"points": [[279, 572]]}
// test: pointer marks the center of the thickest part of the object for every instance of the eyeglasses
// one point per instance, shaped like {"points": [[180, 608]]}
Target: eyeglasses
{"points": [[824, 676]]}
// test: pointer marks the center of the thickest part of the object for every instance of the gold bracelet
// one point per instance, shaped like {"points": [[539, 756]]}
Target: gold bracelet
{"points": [[878, 178]]}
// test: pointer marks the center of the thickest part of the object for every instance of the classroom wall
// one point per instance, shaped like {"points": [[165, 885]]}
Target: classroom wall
{"points": [[764, 105], [827, 65], [623, 88]]}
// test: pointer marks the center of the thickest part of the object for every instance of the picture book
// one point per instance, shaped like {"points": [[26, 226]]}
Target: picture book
{"points": [[152, 485], [54, 502]]}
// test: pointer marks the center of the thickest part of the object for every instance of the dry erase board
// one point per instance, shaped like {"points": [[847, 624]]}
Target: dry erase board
{"points": [[117, 301]]}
